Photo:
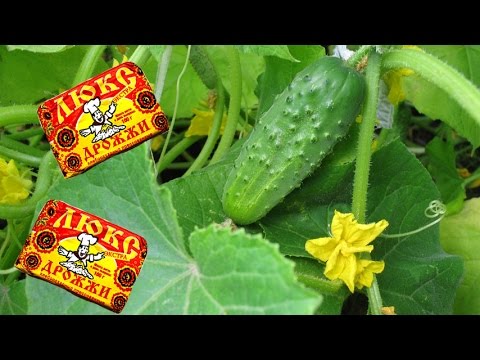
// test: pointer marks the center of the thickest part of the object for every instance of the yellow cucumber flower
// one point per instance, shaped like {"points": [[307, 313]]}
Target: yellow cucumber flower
{"points": [[388, 310], [157, 142], [202, 122], [348, 238], [365, 271], [394, 80], [14, 185]]}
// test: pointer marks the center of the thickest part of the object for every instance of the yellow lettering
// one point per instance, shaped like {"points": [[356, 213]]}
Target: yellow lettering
{"points": [[105, 86], [111, 236], [61, 106], [97, 224], [82, 222], [87, 92], [76, 101], [129, 244], [127, 78], [68, 219]]}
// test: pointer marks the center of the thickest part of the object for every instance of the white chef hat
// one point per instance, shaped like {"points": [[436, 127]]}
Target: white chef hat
{"points": [[86, 239], [91, 106]]}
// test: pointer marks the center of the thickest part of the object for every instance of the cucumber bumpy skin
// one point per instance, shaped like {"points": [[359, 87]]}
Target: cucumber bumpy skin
{"points": [[290, 140]]}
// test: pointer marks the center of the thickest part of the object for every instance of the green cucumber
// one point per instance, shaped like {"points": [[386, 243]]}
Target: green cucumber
{"points": [[290, 140]]}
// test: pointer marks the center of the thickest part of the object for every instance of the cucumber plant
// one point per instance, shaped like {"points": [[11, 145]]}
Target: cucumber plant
{"points": [[291, 139], [234, 198]]}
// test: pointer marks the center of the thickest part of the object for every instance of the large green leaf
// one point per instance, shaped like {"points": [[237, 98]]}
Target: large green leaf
{"points": [[28, 78], [199, 208], [39, 48], [243, 274], [434, 102], [279, 72], [197, 198], [12, 299], [419, 278], [281, 51], [228, 273], [460, 235]]}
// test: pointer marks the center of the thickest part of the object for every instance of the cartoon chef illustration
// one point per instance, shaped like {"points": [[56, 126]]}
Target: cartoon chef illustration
{"points": [[77, 260], [100, 120]]}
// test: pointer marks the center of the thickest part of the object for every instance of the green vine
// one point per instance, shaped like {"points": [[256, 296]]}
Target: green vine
{"points": [[176, 151], [162, 72], [141, 55], [27, 159], [214, 132], [364, 153], [363, 51], [26, 134], [362, 166], [208, 72], [21, 147], [18, 115], [432, 69], [177, 96], [89, 61], [235, 104]]}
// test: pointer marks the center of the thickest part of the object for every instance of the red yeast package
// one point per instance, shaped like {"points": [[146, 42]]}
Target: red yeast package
{"points": [[103, 116]]}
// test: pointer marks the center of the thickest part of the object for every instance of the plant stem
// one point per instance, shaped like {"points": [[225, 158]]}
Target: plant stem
{"points": [[7, 239], [176, 151], [8, 258], [235, 104], [214, 132], [323, 286], [188, 157], [18, 115], [141, 55], [182, 123], [30, 160], [374, 298], [89, 61], [21, 147], [180, 165], [25, 134], [177, 96], [44, 180], [162, 72], [362, 166], [471, 179], [432, 69], [359, 55], [8, 271]]}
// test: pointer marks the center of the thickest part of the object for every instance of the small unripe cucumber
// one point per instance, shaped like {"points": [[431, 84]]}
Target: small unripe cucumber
{"points": [[290, 140]]}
